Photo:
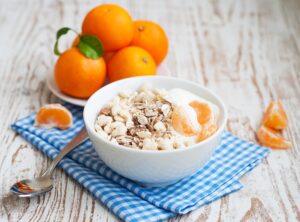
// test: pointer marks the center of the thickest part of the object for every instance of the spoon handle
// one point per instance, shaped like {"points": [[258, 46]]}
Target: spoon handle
{"points": [[78, 139]]}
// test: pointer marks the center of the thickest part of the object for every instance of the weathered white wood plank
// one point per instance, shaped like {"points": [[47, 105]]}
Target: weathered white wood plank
{"points": [[246, 51]]}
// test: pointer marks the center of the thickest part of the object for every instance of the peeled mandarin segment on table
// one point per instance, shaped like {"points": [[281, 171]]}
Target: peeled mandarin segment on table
{"points": [[54, 115], [184, 122], [271, 138], [275, 116]]}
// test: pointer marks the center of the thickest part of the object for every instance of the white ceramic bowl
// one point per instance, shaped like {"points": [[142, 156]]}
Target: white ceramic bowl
{"points": [[152, 168]]}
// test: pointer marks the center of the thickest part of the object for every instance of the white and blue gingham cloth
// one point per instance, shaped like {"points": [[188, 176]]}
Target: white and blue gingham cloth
{"points": [[132, 202]]}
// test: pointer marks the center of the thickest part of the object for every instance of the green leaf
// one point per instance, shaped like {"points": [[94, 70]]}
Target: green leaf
{"points": [[90, 46], [59, 33], [62, 31]]}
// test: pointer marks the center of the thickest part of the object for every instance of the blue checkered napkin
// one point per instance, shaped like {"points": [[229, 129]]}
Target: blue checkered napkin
{"points": [[132, 202]]}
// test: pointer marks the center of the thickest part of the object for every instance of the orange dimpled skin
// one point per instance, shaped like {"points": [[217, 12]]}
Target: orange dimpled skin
{"points": [[129, 62], [111, 24], [271, 138], [77, 75], [275, 116], [204, 113], [54, 115], [150, 36], [182, 123]]}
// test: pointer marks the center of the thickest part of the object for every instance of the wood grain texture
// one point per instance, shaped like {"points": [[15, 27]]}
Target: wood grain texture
{"points": [[246, 51]]}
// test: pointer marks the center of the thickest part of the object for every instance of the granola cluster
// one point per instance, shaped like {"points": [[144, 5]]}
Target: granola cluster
{"points": [[140, 120]]}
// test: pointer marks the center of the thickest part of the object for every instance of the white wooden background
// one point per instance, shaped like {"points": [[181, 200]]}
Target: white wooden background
{"points": [[247, 51]]}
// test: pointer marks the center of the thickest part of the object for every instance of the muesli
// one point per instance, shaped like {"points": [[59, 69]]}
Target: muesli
{"points": [[157, 119]]}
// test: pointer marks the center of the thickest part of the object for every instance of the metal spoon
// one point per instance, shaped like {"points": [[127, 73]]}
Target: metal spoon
{"points": [[43, 184]]}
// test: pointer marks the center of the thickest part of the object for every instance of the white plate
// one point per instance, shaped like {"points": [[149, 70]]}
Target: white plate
{"points": [[161, 70]]}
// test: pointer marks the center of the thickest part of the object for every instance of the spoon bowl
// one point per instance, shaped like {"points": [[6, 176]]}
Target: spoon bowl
{"points": [[30, 188]]}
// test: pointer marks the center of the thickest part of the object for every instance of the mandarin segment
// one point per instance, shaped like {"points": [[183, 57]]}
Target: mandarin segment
{"points": [[207, 131], [182, 123], [271, 138], [204, 112], [54, 115], [275, 116]]}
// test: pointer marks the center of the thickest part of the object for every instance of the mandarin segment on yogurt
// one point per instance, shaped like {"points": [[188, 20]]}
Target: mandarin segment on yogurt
{"points": [[157, 119], [203, 111], [184, 120]]}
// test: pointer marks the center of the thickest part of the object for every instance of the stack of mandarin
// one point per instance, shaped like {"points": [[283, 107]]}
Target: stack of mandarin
{"points": [[275, 120], [111, 45]]}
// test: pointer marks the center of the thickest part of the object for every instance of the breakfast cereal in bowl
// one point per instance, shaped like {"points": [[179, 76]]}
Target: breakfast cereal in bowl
{"points": [[155, 130], [152, 118]]}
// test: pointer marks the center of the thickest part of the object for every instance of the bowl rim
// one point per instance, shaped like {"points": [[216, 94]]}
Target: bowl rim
{"points": [[155, 152]]}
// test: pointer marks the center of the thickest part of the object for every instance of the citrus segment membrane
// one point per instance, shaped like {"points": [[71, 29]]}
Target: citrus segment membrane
{"points": [[184, 121], [203, 111], [275, 116], [54, 115], [271, 138], [207, 131]]}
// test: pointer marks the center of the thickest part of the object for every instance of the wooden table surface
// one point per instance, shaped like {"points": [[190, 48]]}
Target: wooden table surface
{"points": [[246, 51]]}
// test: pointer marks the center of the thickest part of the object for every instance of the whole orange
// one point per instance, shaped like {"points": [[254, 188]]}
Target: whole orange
{"points": [[130, 61], [77, 75], [76, 41], [111, 24], [152, 37]]}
